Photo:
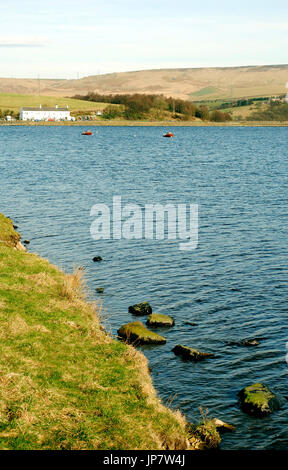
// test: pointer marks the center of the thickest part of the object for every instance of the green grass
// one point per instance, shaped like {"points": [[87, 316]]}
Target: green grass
{"points": [[64, 382], [210, 90], [14, 102]]}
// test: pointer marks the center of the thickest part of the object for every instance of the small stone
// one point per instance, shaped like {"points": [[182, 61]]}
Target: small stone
{"points": [[26, 242], [222, 426], [158, 319], [140, 309], [100, 290], [136, 332], [97, 258], [190, 354]]}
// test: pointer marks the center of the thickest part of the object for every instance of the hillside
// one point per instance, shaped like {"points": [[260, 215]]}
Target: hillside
{"points": [[194, 83]]}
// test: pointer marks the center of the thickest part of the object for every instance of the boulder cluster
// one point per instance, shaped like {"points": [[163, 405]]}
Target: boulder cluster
{"points": [[256, 399]]}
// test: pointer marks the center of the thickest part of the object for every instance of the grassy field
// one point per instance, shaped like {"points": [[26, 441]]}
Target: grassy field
{"points": [[64, 382], [15, 101]]}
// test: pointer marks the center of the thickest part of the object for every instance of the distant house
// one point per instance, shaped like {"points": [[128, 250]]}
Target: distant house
{"points": [[45, 114]]}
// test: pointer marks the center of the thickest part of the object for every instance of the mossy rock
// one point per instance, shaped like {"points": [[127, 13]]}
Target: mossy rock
{"points": [[136, 332], [258, 400], [190, 354], [158, 319], [140, 309]]}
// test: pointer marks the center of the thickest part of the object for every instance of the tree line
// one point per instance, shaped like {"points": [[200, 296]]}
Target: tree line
{"points": [[139, 106], [8, 112]]}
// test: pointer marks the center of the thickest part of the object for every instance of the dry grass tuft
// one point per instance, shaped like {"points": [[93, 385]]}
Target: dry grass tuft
{"points": [[17, 326], [74, 285]]}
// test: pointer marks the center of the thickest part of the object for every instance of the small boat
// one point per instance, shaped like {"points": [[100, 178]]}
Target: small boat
{"points": [[87, 133], [168, 134]]}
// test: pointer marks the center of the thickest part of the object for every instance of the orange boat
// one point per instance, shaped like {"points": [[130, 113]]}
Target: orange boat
{"points": [[168, 134], [87, 133]]}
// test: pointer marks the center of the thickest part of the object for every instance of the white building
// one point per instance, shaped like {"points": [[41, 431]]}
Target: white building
{"points": [[45, 114]]}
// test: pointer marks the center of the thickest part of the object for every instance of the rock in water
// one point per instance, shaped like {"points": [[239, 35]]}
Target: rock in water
{"points": [[249, 342], [158, 319], [258, 400], [190, 323], [100, 290], [136, 332], [222, 426], [97, 258], [140, 309], [190, 354]]}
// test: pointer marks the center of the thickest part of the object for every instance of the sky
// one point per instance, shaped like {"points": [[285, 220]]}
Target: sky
{"points": [[73, 38]]}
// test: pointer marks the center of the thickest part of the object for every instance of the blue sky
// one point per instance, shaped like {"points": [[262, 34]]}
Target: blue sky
{"points": [[69, 38]]}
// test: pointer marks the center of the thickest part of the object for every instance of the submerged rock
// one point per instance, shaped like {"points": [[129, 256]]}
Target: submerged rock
{"points": [[190, 354], [258, 400], [245, 342], [158, 319], [136, 332], [97, 258], [249, 342], [190, 323], [140, 309], [26, 242]]}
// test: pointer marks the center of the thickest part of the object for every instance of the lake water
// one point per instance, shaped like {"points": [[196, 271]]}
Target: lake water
{"points": [[233, 286]]}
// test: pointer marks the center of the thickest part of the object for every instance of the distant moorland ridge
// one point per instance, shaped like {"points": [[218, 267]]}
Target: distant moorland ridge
{"points": [[190, 83]]}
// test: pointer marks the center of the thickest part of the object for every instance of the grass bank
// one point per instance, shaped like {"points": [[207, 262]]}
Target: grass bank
{"points": [[64, 382], [99, 122]]}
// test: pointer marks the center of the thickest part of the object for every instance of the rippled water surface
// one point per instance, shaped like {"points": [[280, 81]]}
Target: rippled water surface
{"points": [[233, 286]]}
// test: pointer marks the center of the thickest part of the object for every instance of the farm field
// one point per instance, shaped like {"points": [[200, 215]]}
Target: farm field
{"points": [[15, 101]]}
